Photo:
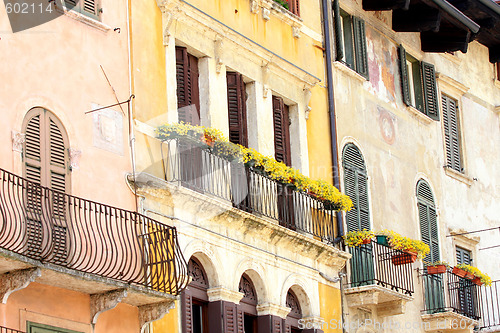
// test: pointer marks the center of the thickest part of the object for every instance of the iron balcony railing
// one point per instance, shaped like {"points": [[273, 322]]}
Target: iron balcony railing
{"points": [[490, 307], [57, 228], [448, 292], [9, 330], [195, 167], [378, 264]]}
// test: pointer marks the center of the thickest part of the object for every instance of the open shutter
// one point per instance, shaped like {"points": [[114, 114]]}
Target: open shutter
{"points": [[33, 148], [430, 90], [338, 31], [428, 220], [403, 68], [236, 100], [451, 134], [281, 131], [90, 7], [188, 102], [360, 47], [187, 315]]}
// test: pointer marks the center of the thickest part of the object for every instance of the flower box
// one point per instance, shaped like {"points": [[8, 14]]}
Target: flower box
{"points": [[459, 272], [477, 280], [438, 269], [367, 241], [469, 275], [404, 258]]}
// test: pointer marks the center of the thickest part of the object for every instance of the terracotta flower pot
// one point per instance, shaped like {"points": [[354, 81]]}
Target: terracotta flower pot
{"points": [[459, 272], [469, 276], [477, 281], [367, 241], [404, 258], [438, 269]]}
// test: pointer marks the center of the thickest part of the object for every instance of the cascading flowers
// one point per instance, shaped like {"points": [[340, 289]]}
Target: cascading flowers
{"points": [[220, 146], [405, 243]]}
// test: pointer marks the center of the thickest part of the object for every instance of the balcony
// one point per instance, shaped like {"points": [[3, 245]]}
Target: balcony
{"points": [[381, 279], [450, 303], [490, 307], [86, 246], [8, 330], [247, 189]]}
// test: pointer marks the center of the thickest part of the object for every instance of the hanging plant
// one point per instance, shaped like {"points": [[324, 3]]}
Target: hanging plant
{"points": [[283, 3], [406, 244]]}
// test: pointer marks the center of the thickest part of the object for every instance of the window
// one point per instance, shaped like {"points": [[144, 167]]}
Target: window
{"points": [[40, 328], [418, 84], [194, 300], [350, 41], [188, 95], [451, 133], [248, 304], [295, 314], [428, 220], [237, 114], [86, 7], [463, 256]]}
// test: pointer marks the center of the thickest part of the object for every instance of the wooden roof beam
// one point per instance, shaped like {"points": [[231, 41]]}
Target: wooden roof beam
{"points": [[417, 18], [371, 5]]}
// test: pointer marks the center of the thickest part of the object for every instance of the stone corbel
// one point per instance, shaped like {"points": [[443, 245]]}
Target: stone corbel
{"points": [[266, 14], [18, 140], [307, 99], [152, 312], [74, 158], [100, 303], [254, 6], [223, 294], [265, 78], [17, 280], [296, 31], [167, 18], [273, 310], [218, 53]]}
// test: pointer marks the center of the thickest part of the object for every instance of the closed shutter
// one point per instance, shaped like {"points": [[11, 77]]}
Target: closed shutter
{"points": [[188, 101], [403, 68], [89, 6], [339, 42], [428, 220], [70, 3], [360, 47], [294, 6], [356, 187], [451, 133], [463, 256], [281, 131], [236, 100], [187, 315], [230, 318], [430, 90]]}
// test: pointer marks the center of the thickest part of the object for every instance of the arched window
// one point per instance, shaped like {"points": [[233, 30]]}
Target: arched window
{"points": [[46, 150], [295, 314], [356, 187], [428, 220], [248, 304], [194, 300]]}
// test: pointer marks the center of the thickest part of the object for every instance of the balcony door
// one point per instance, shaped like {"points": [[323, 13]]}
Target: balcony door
{"points": [[45, 165], [358, 218], [465, 291]]}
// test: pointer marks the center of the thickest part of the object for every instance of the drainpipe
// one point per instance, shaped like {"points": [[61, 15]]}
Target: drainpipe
{"points": [[331, 109]]}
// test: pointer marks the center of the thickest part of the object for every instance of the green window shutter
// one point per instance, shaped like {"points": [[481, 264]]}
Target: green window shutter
{"points": [[430, 90], [356, 187], [236, 100], [403, 68], [40, 328], [338, 31], [360, 47], [463, 256], [90, 7], [451, 133], [428, 220]]}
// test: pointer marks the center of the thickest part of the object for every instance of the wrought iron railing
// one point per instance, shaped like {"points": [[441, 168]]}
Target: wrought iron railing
{"points": [[9, 330], [249, 189], [57, 228], [378, 264], [490, 306], [448, 292]]}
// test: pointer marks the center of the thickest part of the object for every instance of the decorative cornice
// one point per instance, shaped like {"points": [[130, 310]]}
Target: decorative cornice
{"points": [[18, 140], [272, 309], [223, 294], [450, 85]]}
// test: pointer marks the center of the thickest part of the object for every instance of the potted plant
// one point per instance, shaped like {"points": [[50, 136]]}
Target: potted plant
{"points": [[438, 267], [412, 248], [358, 238], [472, 273]]}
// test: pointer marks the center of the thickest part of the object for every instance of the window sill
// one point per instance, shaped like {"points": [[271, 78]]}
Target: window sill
{"points": [[419, 115], [458, 176], [84, 19], [351, 72]]}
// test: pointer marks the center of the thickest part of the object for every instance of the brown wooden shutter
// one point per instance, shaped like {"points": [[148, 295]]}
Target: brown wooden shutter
{"points": [[403, 69], [294, 7], [230, 324], [187, 315], [236, 100], [430, 90], [188, 97], [360, 47], [281, 131], [338, 31]]}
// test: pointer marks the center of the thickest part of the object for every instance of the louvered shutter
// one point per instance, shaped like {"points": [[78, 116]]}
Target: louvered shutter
{"points": [[90, 7], [187, 315], [70, 3], [451, 133], [428, 220], [360, 47], [230, 318], [403, 69], [281, 131], [430, 90], [294, 6], [463, 256], [236, 100], [188, 102], [339, 42], [356, 187]]}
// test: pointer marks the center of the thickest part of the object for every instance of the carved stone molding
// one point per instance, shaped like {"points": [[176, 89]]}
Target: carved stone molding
{"points": [[266, 14], [296, 31], [265, 78], [167, 18], [218, 53], [18, 140], [74, 158], [254, 6], [151, 312], [223, 294], [272, 309], [16, 280], [100, 303], [307, 99]]}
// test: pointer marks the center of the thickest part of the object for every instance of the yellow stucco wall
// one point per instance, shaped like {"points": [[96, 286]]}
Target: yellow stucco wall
{"points": [[330, 308], [170, 322]]}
